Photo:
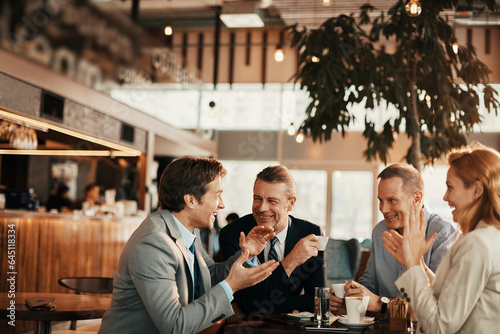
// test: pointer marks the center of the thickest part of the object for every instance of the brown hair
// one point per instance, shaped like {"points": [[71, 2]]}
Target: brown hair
{"points": [[187, 175], [279, 174], [412, 180], [476, 162]]}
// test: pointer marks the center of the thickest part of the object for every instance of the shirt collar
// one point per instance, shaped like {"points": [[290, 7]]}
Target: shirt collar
{"points": [[282, 235], [187, 236]]}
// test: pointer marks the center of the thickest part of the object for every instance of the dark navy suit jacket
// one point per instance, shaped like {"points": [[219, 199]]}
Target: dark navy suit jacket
{"points": [[278, 293]]}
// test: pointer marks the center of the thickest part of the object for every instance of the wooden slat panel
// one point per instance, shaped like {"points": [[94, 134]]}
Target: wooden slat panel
{"points": [[50, 247]]}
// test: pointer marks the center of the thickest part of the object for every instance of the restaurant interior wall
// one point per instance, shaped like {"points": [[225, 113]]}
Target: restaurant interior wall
{"points": [[252, 62], [485, 40]]}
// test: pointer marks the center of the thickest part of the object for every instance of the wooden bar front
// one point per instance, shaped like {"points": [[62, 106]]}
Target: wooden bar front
{"points": [[51, 246]]}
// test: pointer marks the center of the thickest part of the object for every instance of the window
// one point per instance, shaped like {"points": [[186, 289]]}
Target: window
{"points": [[352, 205], [311, 196], [435, 186]]}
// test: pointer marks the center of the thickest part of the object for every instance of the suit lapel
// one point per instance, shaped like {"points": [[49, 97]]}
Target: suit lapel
{"points": [[176, 235], [292, 237]]}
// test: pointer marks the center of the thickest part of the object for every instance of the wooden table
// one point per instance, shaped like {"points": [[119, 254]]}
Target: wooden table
{"points": [[281, 324], [67, 307]]}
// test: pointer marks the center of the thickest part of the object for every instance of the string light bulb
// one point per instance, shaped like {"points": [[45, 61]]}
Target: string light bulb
{"points": [[413, 8], [326, 2], [454, 46], [168, 30], [300, 137], [315, 59], [291, 130], [279, 56]]}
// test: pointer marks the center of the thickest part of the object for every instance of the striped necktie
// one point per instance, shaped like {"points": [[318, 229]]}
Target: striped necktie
{"points": [[273, 255]]}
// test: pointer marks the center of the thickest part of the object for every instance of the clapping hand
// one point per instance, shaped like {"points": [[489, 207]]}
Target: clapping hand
{"points": [[414, 243], [393, 243]]}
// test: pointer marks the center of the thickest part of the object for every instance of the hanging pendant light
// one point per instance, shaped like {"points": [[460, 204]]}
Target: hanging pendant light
{"points": [[168, 30], [279, 55], [413, 8], [291, 130], [300, 137]]}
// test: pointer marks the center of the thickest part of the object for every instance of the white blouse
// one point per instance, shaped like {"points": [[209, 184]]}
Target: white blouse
{"points": [[465, 296]]}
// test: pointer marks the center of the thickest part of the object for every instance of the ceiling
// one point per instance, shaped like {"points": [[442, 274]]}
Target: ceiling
{"points": [[201, 13]]}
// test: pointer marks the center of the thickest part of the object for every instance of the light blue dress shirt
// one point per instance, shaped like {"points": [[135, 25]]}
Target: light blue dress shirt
{"points": [[189, 239]]}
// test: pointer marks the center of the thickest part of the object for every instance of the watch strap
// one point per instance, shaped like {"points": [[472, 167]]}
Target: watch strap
{"points": [[384, 305]]}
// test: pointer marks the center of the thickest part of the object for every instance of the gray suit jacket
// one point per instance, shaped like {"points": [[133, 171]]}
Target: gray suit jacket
{"points": [[153, 288]]}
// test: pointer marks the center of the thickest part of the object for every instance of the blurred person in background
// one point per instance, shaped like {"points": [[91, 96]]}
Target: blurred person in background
{"points": [[231, 217], [92, 196], [60, 199]]}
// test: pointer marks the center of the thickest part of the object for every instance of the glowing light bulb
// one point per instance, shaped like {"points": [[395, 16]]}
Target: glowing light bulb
{"points": [[279, 56], [326, 2], [300, 137], [454, 46], [168, 30], [315, 59], [291, 130], [413, 8]]}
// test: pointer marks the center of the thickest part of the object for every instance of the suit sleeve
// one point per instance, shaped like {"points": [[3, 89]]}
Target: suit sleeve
{"points": [[154, 269], [466, 279]]}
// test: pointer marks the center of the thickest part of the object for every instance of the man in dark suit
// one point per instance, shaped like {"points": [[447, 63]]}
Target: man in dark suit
{"points": [[166, 282], [301, 268]]}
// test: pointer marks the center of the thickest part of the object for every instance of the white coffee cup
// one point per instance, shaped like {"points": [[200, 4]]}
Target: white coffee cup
{"points": [[339, 289], [322, 241], [356, 309]]}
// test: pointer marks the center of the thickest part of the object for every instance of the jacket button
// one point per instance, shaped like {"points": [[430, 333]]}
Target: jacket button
{"points": [[421, 330], [408, 300], [402, 290], [405, 295]]}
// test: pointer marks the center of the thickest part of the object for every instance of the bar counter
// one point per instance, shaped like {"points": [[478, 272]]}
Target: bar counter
{"points": [[50, 246]]}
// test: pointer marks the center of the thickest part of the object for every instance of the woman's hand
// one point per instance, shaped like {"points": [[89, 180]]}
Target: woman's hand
{"points": [[414, 243], [393, 243]]}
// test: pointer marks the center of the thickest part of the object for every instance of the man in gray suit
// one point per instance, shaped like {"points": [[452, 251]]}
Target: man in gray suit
{"points": [[162, 284]]}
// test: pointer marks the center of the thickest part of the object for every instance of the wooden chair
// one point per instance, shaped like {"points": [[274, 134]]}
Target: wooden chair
{"points": [[95, 285]]}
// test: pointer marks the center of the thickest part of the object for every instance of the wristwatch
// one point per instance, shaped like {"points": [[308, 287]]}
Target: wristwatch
{"points": [[384, 301]]}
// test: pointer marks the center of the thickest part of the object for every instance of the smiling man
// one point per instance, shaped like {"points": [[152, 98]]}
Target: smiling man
{"points": [[301, 265], [165, 281], [400, 187]]}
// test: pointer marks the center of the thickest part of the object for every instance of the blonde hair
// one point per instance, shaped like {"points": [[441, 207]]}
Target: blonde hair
{"points": [[476, 162]]}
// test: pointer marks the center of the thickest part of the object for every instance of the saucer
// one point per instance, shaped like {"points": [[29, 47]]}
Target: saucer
{"points": [[301, 315], [367, 322]]}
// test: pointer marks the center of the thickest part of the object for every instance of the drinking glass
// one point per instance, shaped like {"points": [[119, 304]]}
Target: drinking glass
{"points": [[321, 306]]}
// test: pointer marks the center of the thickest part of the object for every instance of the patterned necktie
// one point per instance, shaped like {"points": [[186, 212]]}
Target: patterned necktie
{"points": [[273, 255]]}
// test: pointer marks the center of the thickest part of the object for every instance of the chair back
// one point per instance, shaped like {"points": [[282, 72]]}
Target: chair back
{"points": [[342, 260], [96, 285]]}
